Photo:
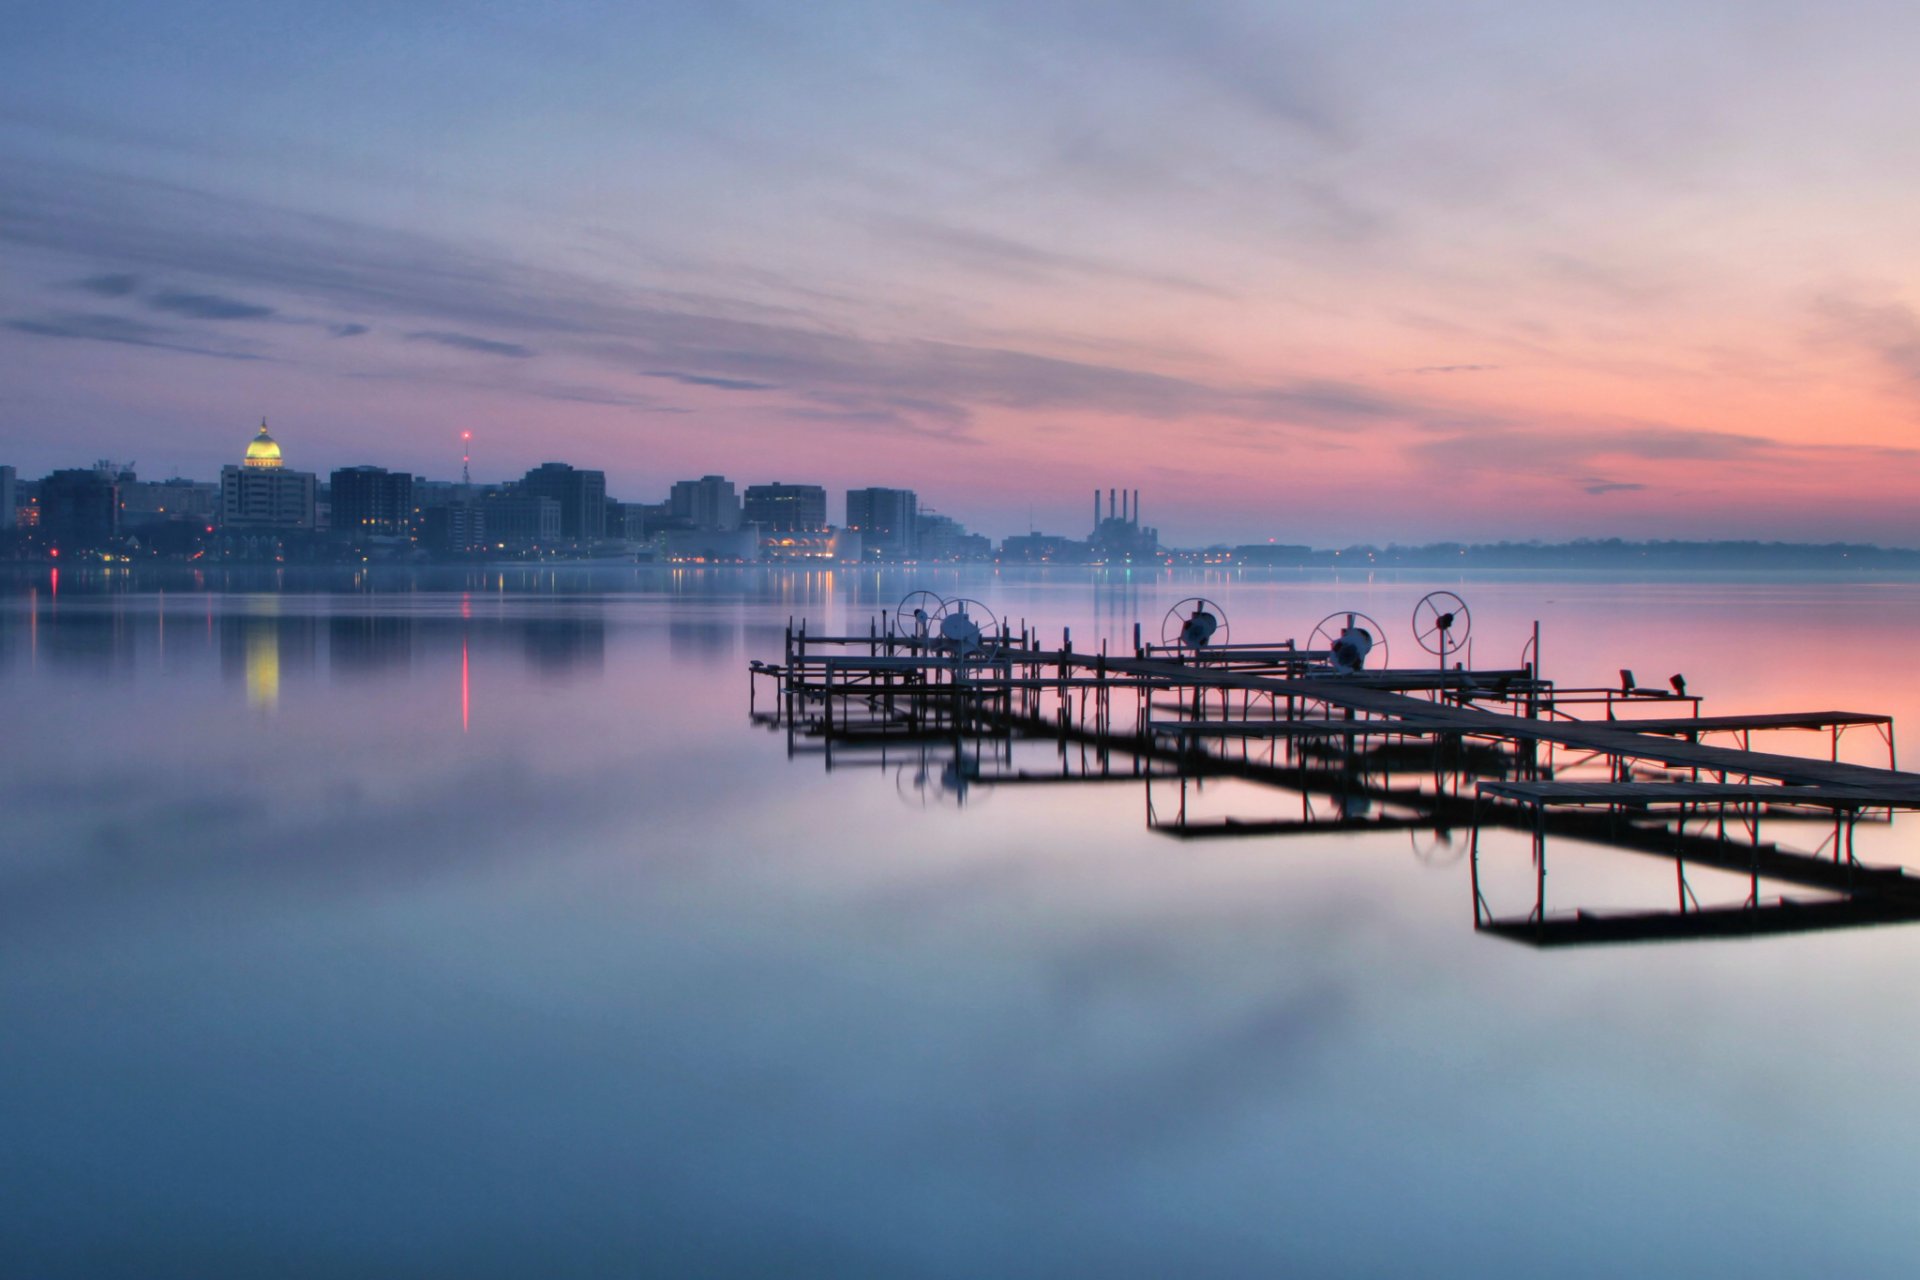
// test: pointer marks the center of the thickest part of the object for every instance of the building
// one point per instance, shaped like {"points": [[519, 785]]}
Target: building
{"points": [[372, 502], [705, 546], [1042, 548], [79, 509], [458, 526], [786, 508], [1120, 535], [518, 519], [641, 520], [261, 493], [887, 520], [944, 538], [706, 503], [145, 504], [582, 496], [9, 497]]}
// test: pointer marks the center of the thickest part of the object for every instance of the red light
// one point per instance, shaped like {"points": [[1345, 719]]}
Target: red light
{"points": [[55, 553]]}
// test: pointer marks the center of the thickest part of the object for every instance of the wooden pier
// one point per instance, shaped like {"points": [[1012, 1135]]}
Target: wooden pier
{"points": [[1430, 750]]}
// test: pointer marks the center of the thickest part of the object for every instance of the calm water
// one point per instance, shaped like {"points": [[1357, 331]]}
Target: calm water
{"points": [[465, 926]]}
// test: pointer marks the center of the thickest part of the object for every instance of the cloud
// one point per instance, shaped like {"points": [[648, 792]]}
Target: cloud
{"points": [[1573, 451], [1888, 331], [467, 342], [921, 386], [703, 380], [114, 285], [207, 306], [488, 378], [1002, 255], [1456, 368], [116, 329], [347, 330], [1611, 486]]}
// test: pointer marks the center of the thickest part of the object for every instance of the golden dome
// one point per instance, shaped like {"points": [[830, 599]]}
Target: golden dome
{"points": [[263, 450]]}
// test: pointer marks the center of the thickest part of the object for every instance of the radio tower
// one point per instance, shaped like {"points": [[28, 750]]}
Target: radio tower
{"points": [[466, 463]]}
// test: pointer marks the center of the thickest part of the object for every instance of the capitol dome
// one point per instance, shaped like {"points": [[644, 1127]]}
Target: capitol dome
{"points": [[263, 450]]}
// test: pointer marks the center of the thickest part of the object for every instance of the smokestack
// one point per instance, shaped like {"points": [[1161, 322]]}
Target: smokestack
{"points": [[1112, 494], [1136, 506], [1096, 511]]}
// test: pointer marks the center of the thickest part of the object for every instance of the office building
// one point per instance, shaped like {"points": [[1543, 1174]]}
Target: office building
{"points": [[707, 503], [516, 517], [581, 495], [887, 520], [786, 508], [372, 502], [262, 493], [79, 509]]}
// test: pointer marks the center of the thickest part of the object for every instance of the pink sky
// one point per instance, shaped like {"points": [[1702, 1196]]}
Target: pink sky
{"points": [[1406, 272]]}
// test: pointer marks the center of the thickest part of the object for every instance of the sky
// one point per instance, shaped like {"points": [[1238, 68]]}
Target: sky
{"points": [[1378, 271]]}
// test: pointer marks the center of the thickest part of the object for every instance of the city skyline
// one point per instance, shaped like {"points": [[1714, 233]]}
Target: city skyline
{"points": [[1396, 272]]}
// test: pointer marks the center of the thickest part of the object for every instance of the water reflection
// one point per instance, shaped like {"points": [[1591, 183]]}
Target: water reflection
{"points": [[952, 1008], [260, 648], [366, 644], [573, 642], [1269, 741], [703, 639]]}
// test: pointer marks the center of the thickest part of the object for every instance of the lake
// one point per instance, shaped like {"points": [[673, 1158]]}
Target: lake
{"points": [[463, 923]]}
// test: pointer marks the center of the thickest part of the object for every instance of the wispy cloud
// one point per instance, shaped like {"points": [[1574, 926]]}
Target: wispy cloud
{"points": [[707, 380], [1888, 331], [468, 342], [1004, 255], [113, 285], [95, 327], [207, 306]]}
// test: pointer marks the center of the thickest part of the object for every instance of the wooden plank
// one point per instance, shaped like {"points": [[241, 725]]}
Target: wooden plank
{"points": [[1298, 728], [1650, 793], [1749, 723], [1787, 916], [1607, 738]]}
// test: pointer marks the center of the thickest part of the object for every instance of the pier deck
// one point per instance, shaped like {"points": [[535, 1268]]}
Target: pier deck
{"points": [[1421, 750]]}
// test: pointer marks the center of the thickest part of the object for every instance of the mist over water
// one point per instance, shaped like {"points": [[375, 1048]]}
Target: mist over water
{"points": [[464, 924]]}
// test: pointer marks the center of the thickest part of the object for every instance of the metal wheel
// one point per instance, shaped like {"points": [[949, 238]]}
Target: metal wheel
{"points": [[1441, 623], [932, 783], [1193, 624], [966, 627], [1436, 848], [913, 617], [1328, 633]]}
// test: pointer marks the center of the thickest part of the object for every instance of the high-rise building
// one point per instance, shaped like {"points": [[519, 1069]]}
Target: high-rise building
{"points": [[518, 517], [147, 503], [708, 503], [372, 501], [79, 509], [458, 526], [786, 508], [261, 493], [888, 522], [9, 497], [944, 538], [582, 496]]}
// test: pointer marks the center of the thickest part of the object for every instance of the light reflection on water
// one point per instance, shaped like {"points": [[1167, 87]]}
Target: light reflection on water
{"points": [[465, 926]]}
